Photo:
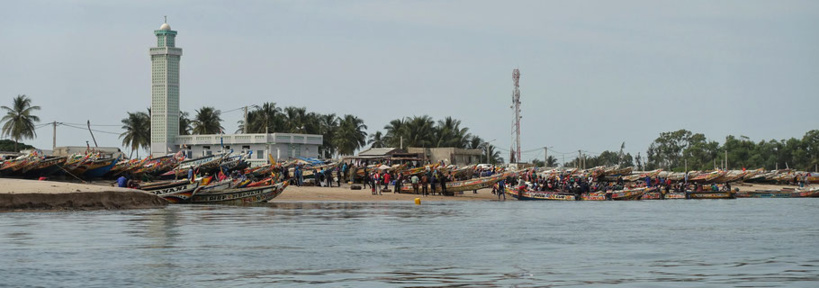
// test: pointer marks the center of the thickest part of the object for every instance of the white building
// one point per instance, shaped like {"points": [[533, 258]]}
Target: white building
{"points": [[282, 146], [165, 136]]}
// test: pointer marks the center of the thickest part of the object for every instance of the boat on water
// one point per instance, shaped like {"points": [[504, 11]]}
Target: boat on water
{"points": [[239, 196], [203, 164], [540, 195], [806, 192], [712, 195], [657, 195]]}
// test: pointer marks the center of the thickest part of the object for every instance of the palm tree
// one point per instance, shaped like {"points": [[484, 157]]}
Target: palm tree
{"points": [[329, 128], [475, 142], [208, 120], [19, 122], [376, 140], [448, 133], [351, 135], [551, 161], [420, 131], [295, 119], [137, 133], [184, 124], [494, 155], [396, 132]]}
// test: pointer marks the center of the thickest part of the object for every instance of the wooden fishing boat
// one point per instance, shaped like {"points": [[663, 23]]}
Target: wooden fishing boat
{"points": [[656, 195], [240, 195], [98, 167], [13, 167], [712, 195], [540, 195], [764, 194], [806, 192], [707, 177], [203, 164], [462, 172], [595, 196], [178, 191], [465, 185], [631, 193], [617, 171], [44, 167]]}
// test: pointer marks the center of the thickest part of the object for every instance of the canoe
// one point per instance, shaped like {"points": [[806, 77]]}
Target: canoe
{"points": [[655, 195], [239, 195], [711, 195], [179, 191], [203, 164], [98, 167], [540, 195], [763, 194], [631, 193], [806, 192], [460, 186], [44, 167]]}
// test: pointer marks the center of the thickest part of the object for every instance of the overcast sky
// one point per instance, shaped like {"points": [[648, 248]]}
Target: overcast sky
{"points": [[594, 74]]}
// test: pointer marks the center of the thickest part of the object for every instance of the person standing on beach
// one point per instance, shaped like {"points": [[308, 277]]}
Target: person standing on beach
{"points": [[386, 180], [414, 181], [424, 182], [398, 179], [501, 190], [443, 184]]}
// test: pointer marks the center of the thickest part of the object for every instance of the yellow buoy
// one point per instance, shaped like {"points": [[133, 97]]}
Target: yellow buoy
{"points": [[417, 201]]}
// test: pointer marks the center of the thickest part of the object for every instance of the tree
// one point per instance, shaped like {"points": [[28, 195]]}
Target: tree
{"points": [[184, 124], [8, 145], [667, 150], [137, 133], [396, 132], [208, 120], [448, 133], [328, 130], [351, 135], [551, 161], [19, 120], [420, 132], [376, 140]]}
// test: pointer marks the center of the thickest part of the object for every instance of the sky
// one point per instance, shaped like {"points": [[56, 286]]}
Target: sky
{"points": [[594, 74]]}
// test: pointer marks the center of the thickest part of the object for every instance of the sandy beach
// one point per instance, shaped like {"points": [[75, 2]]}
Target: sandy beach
{"points": [[19, 194]]}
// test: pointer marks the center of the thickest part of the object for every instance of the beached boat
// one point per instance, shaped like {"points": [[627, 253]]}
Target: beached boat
{"points": [[239, 195], [44, 167], [97, 167], [540, 195], [464, 185], [631, 193], [764, 194], [13, 167], [177, 191], [202, 164], [656, 195], [708, 176]]}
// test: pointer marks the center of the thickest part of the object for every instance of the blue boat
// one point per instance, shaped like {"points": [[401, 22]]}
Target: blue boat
{"points": [[99, 167]]}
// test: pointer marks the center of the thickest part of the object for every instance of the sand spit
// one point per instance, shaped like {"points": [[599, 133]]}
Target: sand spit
{"points": [[21, 195]]}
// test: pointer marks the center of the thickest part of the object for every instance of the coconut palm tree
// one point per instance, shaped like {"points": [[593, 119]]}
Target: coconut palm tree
{"points": [[448, 133], [184, 124], [19, 121], [329, 128], [396, 132], [351, 135], [296, 117], [208, 120], [420, 132], [376, 140], [137, 133]]}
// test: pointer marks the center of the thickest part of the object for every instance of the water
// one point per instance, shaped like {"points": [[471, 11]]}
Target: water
{"points": [[681, 243]]}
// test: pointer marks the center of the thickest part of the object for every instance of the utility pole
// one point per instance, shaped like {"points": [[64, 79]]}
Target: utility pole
{"points": [[579, 154], [545, 157], [54, 141], [516, 106], [726, 159], [244, 130]]}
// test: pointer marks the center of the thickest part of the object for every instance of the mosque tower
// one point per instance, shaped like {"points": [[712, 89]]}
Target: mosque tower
{"points": [[164, 91]]}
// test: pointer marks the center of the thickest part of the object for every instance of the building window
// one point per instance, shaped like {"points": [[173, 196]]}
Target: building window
{"points": [[259, 154]]}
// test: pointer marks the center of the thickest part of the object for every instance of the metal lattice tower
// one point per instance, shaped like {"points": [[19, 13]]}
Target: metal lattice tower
{"points": [[516, 106]]}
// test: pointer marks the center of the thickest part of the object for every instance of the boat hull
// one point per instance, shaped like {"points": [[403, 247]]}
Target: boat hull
{"points": [[240, 196]]}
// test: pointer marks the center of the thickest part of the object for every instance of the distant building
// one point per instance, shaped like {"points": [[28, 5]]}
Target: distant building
{"points": [[282, 146], [450, 155], [165, 136]]}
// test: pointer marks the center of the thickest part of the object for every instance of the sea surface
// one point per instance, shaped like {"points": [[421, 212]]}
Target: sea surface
{"points": [[672, 243]]}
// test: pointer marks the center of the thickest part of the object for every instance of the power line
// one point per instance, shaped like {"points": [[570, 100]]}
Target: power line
{"points": [[94, 130]]}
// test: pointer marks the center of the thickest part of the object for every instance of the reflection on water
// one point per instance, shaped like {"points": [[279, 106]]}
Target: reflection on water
{"points": [[745, 242]]}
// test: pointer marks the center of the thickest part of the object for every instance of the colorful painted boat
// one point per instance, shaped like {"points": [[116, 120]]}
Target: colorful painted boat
{"points": [[240, 195], [98, 167], [806, 192], [596, 196], [656, 195], [13, 167], [203, 164], [712, 195], [44, 167], [465, 185], [631, 193], [178, 191], [763, 194], [540, 195]]}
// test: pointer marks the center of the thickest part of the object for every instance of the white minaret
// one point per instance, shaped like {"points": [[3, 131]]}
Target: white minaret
{"points": [[164, 91]]}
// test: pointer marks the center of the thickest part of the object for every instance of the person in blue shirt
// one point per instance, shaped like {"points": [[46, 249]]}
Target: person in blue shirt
{"points": [[122, 182], [501, 190]]}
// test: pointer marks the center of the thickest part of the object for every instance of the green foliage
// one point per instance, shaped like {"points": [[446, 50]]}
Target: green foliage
{"points": [[208, 120], [423, 131], [18, 123], [8, 146], [137, 133]]}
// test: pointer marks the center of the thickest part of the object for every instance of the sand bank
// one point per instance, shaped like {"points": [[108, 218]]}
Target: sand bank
{"points": [[18, 194]]}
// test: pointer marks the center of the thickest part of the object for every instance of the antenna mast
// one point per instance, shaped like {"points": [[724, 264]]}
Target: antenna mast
{"points": [[516, 106]]}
